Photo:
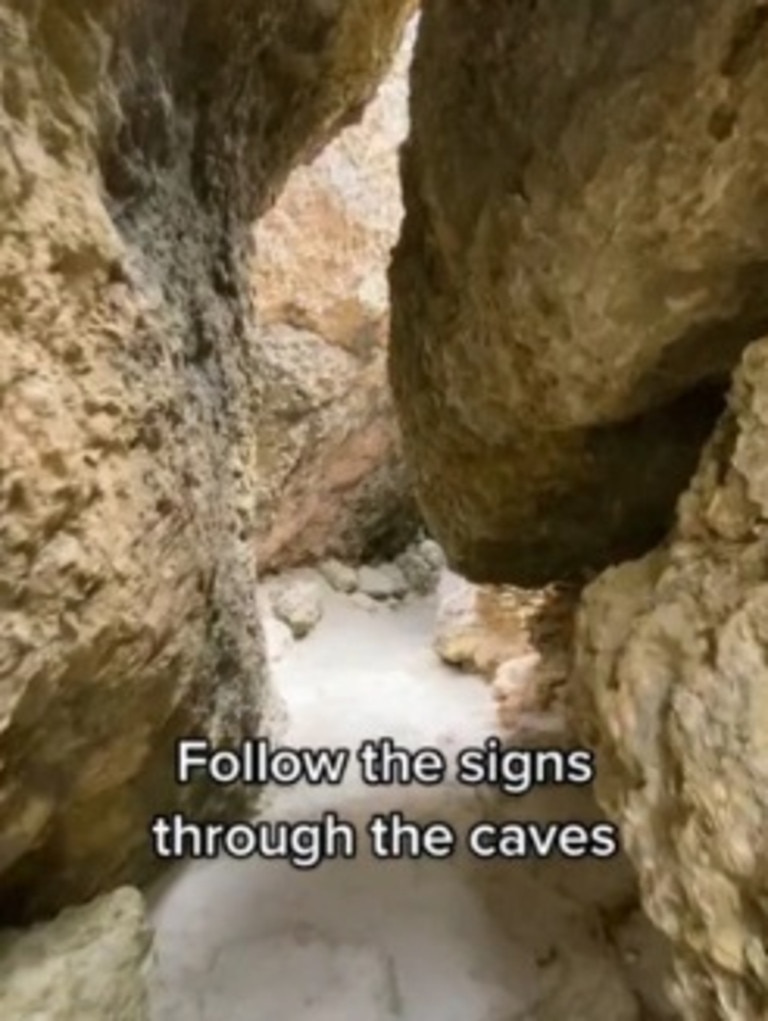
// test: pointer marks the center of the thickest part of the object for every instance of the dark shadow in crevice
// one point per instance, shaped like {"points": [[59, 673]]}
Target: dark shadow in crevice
{"points": [[620, 506]]}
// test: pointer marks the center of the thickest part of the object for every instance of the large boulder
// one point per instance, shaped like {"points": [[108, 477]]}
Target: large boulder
{"points": [[331, 475], [672, 685], [139, 142], [582, 264], [582, 260]]}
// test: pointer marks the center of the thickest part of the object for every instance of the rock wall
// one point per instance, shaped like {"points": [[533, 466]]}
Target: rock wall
{"points": [[139, 141], [582, 264], [673, 691], [331, 476], [582, 260]]}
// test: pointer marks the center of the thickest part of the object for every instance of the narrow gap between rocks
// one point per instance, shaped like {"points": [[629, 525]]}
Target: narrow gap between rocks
{"points": [[495, 353], [460, 939], [378, 640]]}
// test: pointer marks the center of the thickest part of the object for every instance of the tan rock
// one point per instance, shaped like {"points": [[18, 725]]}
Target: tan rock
{"points": [[341, 577], [463, 639], [138, 144], [582, 260], [331, 479], [419, 569], [520, 641], [88, 964], [480, 627], [582, 265], [331, 475], [672, 687], [322, 250], [299, 604]]}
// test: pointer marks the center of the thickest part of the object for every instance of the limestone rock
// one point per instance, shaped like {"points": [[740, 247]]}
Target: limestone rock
{"points": [[322, 250], [530, 697], [459, 633], [299, 603], [581, 262], [86, 965], [382, 582], [419, 570], [480, 627], [331, 479], [341, 577], [139, 143], [278, 636], [432, 553], [331, 473], [364, 602], [672, 688], [518, 640]]}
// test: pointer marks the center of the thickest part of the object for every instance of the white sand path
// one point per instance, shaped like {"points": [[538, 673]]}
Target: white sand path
{"points": [[409, 940]]}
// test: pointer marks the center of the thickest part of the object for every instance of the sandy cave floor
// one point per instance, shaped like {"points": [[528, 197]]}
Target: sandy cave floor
{"points": [[457, 940]]}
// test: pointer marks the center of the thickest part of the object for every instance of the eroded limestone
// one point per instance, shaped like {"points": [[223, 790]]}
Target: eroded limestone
{"points": [[671, 680], [581, 263]]}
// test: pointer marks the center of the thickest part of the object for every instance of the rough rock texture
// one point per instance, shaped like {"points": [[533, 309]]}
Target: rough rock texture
{"points": [[341, 577], [519, 640], [672, 684], [86, 965], [331, 477], [323, 248], [582, 261], [138, 142], [332, 480], [481, 626], [582, 264], [299, 604], [421, 565]]}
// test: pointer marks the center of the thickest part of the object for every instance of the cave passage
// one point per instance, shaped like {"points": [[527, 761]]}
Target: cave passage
{"points": [[486, 927], [383, 504]]}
